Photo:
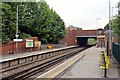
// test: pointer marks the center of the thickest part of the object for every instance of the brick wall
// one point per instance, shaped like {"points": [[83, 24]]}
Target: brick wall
{"points": [[11, 46], [70, 37]]}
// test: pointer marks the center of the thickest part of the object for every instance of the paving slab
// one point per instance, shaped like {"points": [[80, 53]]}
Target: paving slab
{"points": [[88, 66]]}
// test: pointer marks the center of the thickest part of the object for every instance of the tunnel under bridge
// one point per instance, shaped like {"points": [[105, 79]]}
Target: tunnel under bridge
{"points": [[83, 40]]}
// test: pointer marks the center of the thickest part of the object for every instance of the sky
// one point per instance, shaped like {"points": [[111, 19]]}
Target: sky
{"points": [[86, 14]]}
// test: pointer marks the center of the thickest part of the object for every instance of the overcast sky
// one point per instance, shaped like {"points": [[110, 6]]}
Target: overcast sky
{"points": [[83, 13]]}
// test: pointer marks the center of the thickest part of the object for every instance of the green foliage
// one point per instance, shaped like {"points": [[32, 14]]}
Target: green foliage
{"points": [[24, 35], [79, 28], [35, 19], [5, 38], [115, 23], [7, 23], [91, 41]]}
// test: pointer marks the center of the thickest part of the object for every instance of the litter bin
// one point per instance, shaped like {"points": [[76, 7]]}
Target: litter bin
{"points": [[49, 47]]}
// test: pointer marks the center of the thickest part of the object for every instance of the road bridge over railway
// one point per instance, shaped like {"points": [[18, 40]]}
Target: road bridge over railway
{"points": [[80, 37], [83, 36]]}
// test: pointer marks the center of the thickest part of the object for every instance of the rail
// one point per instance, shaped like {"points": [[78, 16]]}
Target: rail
{"points": [[44, 66], [22, 64]]}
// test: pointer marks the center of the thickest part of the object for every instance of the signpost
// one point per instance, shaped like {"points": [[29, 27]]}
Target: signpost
{"points": [[37, 43], [29, 43], [17, 40]]}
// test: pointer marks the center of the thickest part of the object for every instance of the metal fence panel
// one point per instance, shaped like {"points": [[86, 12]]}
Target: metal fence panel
{"points": [[116, 52]]}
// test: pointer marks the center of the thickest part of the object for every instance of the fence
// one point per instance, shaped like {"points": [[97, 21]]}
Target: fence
{"points": [[116, 52]]}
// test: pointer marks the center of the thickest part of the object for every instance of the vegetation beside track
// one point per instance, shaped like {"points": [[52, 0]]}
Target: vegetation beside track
{"points": [[91, 41]]}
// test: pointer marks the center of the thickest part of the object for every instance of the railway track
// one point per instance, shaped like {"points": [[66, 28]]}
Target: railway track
{"points": [[31, 69]]}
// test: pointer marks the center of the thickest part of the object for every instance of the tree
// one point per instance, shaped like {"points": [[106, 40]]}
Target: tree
{"points": [[44, 23], [115, 23], [8, 23], [34, 19]]}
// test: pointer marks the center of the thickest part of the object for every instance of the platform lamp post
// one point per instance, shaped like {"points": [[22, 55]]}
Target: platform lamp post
{"points": [[110, 32], [110, 41], [98, 30], [98, 22], [17, 29], [112, 12]]}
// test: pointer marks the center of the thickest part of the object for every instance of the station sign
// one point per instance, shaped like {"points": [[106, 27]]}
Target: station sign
{"points": [[29, 43], [17, 40], [108, 31], [37, 43]]}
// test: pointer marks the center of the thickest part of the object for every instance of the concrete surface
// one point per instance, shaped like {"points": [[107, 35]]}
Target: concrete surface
{"points": [[88, 66], [61, 68], [21, 55]]}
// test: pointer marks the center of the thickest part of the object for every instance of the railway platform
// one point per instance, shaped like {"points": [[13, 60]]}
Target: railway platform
{"points": [[84, 65], [88, 66], [19, 63], [7, 57]]}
